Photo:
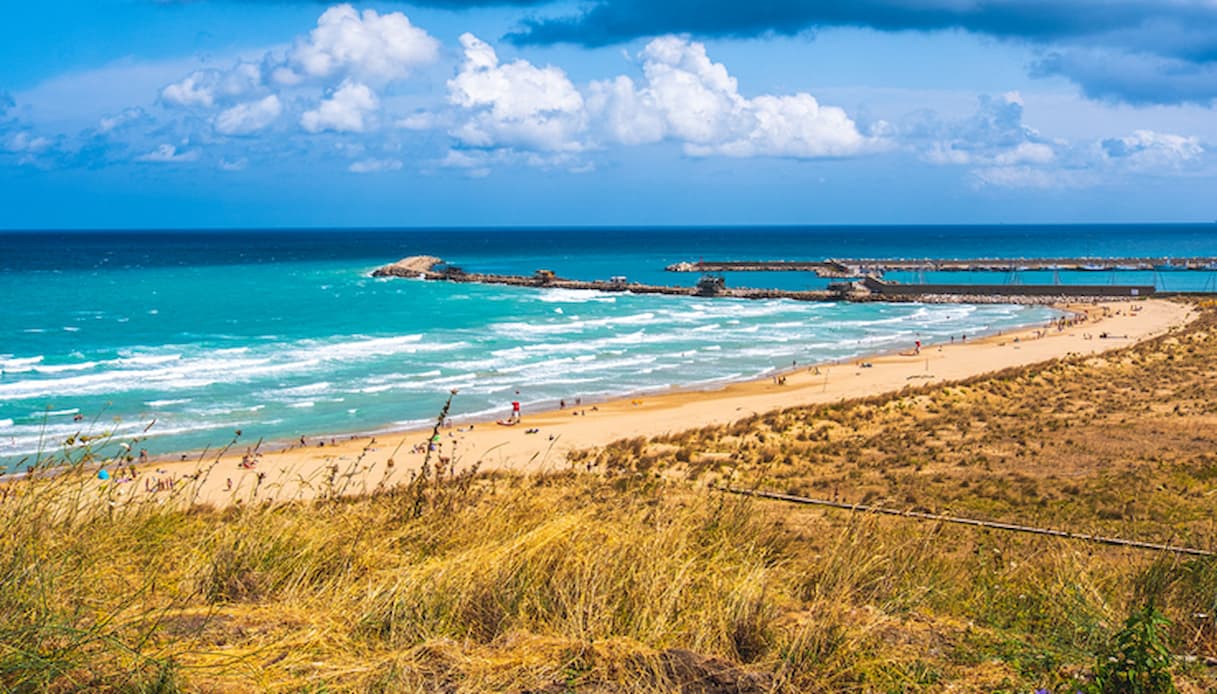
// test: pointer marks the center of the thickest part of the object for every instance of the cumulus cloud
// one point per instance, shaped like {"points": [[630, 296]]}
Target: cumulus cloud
{"points": [[190, 91], [374, 166], [205, 88], [369, 47], [1149, 150], [997, 147], [994, 135], [474, 164], [168, 154], [1164, 50], [346, 110], [516, 103], [341, 60], [692, 99], [1000, 150], [249, 117], [126, 117]]}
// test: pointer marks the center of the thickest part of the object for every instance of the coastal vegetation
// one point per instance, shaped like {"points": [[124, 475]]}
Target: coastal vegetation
{"points": [[633, 571]]}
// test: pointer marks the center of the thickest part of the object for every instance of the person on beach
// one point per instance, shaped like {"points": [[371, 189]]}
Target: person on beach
{"points": [[515, 410]]}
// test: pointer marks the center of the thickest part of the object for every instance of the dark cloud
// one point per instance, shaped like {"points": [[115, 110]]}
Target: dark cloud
{"points": [[1132, 78], [611, 21], [1174, 45]]}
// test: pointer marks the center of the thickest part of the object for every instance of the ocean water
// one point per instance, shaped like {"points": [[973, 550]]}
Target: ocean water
{"points": [[283, 333]]}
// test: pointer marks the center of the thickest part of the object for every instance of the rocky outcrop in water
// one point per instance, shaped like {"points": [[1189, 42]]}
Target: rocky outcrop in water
{"points": [[413, 266]]}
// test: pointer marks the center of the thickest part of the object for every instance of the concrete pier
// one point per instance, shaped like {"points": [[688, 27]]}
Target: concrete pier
{"points": [[432, 268], [860, 267]]}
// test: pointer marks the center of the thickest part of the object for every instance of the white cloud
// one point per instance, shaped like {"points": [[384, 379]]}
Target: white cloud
{"points": [[370, 47], [418, 121], [1146, 150], [345, 111], [690, 98], [515, 104], [249, 117], [168, 154], [474, 164], [194, 90], [110, 123], [1026, 152], [204, 88], [994, 135], [629, 117], [25, 143], [792, 126], [234, 164], [1005, 152], [374, 166], [1033, 177]]}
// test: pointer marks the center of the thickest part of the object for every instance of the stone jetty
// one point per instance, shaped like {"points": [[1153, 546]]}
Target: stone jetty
{"points": [[426, 267]]}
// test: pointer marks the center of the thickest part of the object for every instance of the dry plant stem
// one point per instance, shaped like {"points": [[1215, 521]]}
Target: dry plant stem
{"points": [[993, 525]]}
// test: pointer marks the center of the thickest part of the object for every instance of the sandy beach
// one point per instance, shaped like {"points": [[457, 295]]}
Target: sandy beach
{"points": [[541, 440]]}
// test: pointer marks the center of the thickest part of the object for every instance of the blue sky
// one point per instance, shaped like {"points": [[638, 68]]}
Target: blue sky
{"points": [[248, 113]]}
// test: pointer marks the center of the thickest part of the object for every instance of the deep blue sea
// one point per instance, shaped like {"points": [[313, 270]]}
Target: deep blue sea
{"points": [[282, 333]]}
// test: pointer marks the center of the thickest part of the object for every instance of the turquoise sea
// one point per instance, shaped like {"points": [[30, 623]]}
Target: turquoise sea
{"points": [[282, 333]]}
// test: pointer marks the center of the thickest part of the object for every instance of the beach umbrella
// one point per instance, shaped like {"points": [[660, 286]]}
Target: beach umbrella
{"points": [[103, 474]]}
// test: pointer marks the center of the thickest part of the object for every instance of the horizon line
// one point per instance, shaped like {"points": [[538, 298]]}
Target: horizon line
{"points": [[580, 227]]}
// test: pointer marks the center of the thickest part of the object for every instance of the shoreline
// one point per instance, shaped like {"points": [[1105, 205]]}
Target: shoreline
{"points": [[711, 386], [356, 464]]}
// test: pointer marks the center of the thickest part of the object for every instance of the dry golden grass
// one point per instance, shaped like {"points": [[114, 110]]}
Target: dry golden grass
{"points": [[637, 575]]}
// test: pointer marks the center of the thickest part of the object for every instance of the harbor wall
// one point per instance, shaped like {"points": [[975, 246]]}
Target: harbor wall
{"points": [[870, 289], [1052, 290]]}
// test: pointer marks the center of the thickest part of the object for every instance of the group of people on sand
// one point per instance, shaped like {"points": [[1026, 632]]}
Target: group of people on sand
{"points": [[514, 417], [250, 460]]}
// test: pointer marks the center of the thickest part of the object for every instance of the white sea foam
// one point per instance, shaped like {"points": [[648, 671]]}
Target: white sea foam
{"points": [[376, 389], [308, 389], [56, 413], [146, 359], [166, 403], [59, 368], [10, 363], [28, 439], [574, 296]]}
